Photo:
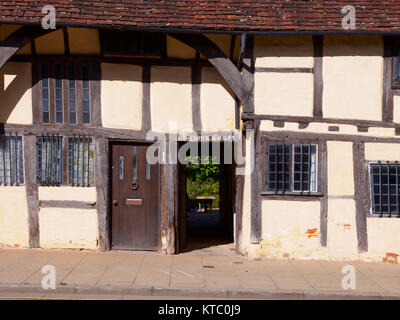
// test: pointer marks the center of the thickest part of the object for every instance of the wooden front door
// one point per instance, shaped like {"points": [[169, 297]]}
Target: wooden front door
{"points": [[135, 194]]}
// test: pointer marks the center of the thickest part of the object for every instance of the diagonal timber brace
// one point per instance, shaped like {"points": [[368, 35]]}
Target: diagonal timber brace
{"points": [[236, 81], [18, 39]]}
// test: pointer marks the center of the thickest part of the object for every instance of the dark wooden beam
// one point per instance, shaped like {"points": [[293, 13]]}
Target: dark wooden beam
{"points": [[146, 110], [116, 60], [248, 75], [362, 194], [95, 93], [256, 185], [220, 61], [284, 135], [323, 188], [301, 119], [66, 41], [318, 79], [101, 181], [32, 193], [196, 92], [18, 39], [67, 204], [285, 70], [240, 246], [387, 98]]}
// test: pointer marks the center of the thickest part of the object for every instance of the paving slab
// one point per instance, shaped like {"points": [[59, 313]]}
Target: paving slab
{"points": [[140, 274]]}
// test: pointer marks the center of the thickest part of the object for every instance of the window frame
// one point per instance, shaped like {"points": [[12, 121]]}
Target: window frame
{"points": [[65, 161], [93, 89], [39, 161], [319, 168], [15, 138], [371, 193], [395, 49]]}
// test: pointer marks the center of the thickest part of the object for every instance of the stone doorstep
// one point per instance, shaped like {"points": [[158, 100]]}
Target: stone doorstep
{"points": [[189, 292]]}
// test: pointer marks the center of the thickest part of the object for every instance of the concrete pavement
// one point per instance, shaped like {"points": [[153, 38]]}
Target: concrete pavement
{"points": [[129, 274]]}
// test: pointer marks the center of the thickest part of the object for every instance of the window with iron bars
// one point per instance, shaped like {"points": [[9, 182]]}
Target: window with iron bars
{"points": [[292, 167], [80, 161], [385, 188], [11, 160], [49, 160]]}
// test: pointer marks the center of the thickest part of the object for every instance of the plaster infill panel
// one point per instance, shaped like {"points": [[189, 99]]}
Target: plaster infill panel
{"points": [[83, 41], [284, 51], [382, 152], [68, 193], [217, 102], [342, 231], [14, 229], [352, 74], [121, 96], [171, 99], [340, 168], [290, 228], [68, 228], [288, 94]]}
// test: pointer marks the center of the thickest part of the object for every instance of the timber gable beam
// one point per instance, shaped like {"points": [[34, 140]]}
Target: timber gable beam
{"points": [[17, 40]]}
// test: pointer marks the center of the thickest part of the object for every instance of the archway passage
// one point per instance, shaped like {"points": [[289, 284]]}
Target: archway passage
{"points": [[206, 209]]}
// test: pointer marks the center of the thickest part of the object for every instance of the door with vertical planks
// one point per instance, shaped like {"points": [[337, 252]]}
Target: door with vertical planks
{"points": [[135, 196]]}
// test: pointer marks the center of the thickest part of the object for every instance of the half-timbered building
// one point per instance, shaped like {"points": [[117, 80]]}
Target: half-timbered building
{"points": [[317, 107]]}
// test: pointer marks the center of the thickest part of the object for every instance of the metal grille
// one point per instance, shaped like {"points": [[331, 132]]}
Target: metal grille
{"points": [[385, 188], [11, 160], [279, 168], [49, 160], [292, 167], [80, 161]]}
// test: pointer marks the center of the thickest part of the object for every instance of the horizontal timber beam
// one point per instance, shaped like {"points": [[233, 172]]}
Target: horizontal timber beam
{"points": [[300, 119]]}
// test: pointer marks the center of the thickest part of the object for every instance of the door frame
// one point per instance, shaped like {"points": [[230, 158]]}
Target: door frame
{"points": [[112, 142], [180, 239]]}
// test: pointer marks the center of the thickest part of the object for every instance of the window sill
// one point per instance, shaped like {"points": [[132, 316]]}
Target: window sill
{"points": [[292, 193]]}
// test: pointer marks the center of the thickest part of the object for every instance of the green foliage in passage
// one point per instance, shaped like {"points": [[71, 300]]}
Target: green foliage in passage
{"points": [[202, 180]]}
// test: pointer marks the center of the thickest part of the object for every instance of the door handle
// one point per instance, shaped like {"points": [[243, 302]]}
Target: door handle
{"points": [[115, 203]]}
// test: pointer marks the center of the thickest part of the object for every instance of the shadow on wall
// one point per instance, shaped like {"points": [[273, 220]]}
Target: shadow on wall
{"points": [[15, 96], [294, 46]]}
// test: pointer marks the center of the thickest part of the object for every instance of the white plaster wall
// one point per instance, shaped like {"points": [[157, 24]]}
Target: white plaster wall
{"points": [[14, 229], [171, 98], [340, 168], [65, 193], [283, 93], [68, 228], [217, 102], [121, 96], [283, 51], [352, 74], [382, 151], [290, 229]]}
